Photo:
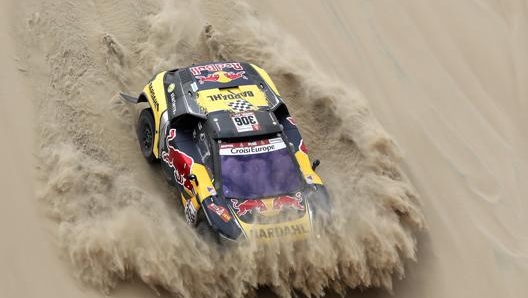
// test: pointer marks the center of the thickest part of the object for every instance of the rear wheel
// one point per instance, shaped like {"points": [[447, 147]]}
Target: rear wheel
{"points": [[145, 133]]}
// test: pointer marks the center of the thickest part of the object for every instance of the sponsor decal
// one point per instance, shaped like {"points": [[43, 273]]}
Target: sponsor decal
{"points": [[247, 206], [240, 95], [179, 161], [252, 150], [220, 211], [282, 202], [211, 190], [303, 147], [218, 72], [277, 232], [190, 212], [240, 105], [245, 122], [153, 96], [279, 203], [257, 147], [221, 77], [170, 88], [197, 70], [194, 87], [173, 103], [231, 76], [209, 78], [291, 120]]}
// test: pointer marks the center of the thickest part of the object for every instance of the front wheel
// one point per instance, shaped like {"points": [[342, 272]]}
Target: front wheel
{"points": [[145, 133]]}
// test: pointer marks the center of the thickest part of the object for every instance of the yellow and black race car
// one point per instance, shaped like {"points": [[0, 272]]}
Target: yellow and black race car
{"points": [[226, 140]]}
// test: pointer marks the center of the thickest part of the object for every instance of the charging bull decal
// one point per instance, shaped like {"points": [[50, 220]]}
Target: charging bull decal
{"points": [[179, 161], [242, 208], [221, 77], [282, 202], [258, 205]]}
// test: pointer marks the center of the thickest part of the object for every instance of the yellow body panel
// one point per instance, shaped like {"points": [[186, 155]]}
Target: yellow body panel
{"points": [[306, 167], [204, 187], [203, 190], [155, 93], [212, 100], [200, 192]]}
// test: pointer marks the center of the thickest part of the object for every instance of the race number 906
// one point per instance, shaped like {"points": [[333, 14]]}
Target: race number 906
{"points": [[245, 122]]}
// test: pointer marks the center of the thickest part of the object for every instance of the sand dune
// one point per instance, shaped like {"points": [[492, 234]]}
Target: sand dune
{"points": [[445, 80]]}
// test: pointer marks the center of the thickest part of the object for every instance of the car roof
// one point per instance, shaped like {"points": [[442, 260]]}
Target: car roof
{"points": [[233, 87]]}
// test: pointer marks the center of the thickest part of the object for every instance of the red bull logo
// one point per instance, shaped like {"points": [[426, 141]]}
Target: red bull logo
{"points": [[247, 206], [288, 202], [221, 77], [277, 204], [234, 75], [209, 78], [179, 161]]}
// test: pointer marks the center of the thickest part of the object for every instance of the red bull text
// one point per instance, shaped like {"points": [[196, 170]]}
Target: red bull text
{"points": [[197, 70]]}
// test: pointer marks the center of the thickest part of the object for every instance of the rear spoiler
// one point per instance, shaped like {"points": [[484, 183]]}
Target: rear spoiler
{"points": [[129, 98]]}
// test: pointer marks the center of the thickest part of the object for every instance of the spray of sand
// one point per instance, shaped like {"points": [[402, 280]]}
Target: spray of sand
{"points": [[117, 219]]}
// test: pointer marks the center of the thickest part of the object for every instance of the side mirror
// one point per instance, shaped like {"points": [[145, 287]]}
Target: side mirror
{"points": [[192, 177], [315, 164]]}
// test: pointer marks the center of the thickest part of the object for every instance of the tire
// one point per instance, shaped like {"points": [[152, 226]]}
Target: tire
{"points": [[145, 134]]}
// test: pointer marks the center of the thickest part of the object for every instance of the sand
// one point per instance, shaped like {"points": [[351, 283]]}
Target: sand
{"points": [[424, 101]]}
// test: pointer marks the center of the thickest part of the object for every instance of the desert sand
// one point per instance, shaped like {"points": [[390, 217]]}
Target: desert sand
{"points": [[424, 101]]}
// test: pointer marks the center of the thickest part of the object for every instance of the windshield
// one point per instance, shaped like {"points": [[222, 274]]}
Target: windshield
{"points": [[258, 169]]}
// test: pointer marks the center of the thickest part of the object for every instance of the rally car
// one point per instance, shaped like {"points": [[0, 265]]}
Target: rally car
{"points": [[227, 142]]}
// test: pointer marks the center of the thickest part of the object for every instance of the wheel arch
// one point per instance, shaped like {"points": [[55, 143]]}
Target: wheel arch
{"points": [[146, 121], [143, 98]]}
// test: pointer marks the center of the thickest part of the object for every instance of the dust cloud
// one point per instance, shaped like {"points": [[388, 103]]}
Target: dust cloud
{"points": [[115, 217]]}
